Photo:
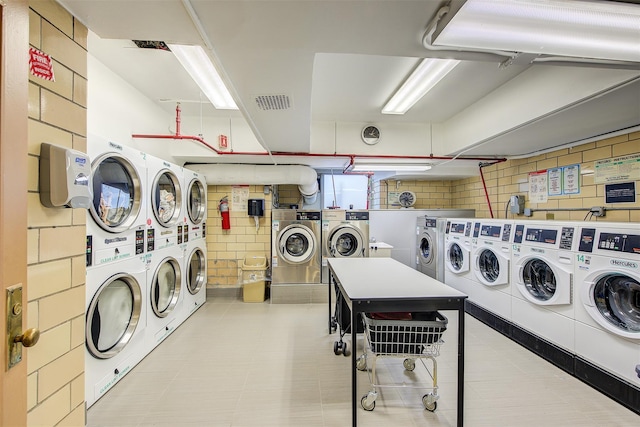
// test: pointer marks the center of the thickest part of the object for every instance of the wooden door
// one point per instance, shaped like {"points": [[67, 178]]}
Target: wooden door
{"points": [[14, 46]]}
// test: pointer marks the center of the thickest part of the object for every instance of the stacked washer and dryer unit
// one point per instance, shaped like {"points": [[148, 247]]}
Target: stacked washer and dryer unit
{"points": [[134, 259]]}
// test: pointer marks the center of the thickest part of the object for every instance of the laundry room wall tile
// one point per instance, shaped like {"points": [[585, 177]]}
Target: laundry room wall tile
{"points": [[582, 147], [570, 159], [78, 271], [33, 315], [617, 216], [50, 313], [57, 373], [34, 29], [34, 101], [64, 49], [77, 392], [80, 33], [48, 278], [547, 163], [625, 148], [54, 409], [80, 90], [63, 83], [55, 14], [33, 173], [597, 154], [33, 243], [53, 344], [75, 418], [39, 215], [74, 239], [612, 141], [63, 113], [79, 216], [41, 132], [77, 331], [32, 390], [634, 216]]}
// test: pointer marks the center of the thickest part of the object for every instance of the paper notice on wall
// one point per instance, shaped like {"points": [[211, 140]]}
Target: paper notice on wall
{"points": [[571, 179], [41, 65], [555, 181], [617, 169], [538, 190], [239, 197]]}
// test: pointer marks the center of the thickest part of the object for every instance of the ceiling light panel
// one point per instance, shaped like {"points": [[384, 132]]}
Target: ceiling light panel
{"points": [[379, 167], [577, 28]]}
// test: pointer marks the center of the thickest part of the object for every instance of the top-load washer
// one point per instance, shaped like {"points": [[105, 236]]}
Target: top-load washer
{"points": [[345, 234], [117, 216], [491, 241], [296, 255], [430, 238], [457, 254], [607, 307], [542, 268]]}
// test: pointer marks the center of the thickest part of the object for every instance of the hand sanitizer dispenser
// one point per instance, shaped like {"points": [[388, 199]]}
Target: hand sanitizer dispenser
{"points": [[65, 176]]}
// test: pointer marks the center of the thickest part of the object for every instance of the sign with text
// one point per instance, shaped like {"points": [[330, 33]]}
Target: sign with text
{"points": [[538, 190], [617, 169], [624, 192], [41, 65]]}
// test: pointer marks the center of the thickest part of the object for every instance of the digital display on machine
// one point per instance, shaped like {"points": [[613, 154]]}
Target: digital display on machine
{"points": [[468, 230], [355, 216], [541, 235], [311, 216], [517, 237], [476, 229], [491, 231], [457, 227], [506, 232], [620, 242], [587, 235], [430, 222]]}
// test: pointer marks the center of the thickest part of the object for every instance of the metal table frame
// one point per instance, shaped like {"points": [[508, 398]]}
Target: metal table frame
{"points": [[396, 300]]}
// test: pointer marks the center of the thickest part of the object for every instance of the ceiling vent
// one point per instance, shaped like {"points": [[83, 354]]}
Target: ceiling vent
{"points": [[151, 44], [273, 102]]}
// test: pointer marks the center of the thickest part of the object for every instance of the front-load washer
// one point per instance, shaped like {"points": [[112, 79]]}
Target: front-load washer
{"points": [[194, 277], [607, 307], [164, 294], [116, 319], [165, 181], [430, 238], [344, 238], [116, 217], [542, 268], [457, 254], [491, 256], [195, 205], [295, 253]]}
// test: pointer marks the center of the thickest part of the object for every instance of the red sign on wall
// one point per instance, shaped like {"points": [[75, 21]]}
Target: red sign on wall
{"points": [[41, 65]]}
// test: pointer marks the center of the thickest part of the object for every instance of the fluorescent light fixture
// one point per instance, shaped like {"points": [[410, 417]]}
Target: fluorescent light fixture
{"points": [[422, 80], [577, 28], [389, 167], [199, 66]]}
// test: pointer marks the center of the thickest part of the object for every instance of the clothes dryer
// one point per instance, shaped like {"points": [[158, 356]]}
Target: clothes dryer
{"points": [[457, 255], [295, 251], [430, 239], [115, 329], [607, 308], [116, 218], [345, 234], [194, 277], [491, 243], [195, 205], [166, 182], [542, 268]]}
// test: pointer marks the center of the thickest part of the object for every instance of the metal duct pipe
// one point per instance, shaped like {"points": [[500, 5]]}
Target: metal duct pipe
{"points": [[229, 174]]}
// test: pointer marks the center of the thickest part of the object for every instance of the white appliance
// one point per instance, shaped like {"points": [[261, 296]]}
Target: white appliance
{"points": [[116, 318], [345, 234], [491, 241], [195, 202], [607, 309], [430, 238], [457, 255], [117, 215], [166, 207], [542, 268], [195, 278], [295, 252]]}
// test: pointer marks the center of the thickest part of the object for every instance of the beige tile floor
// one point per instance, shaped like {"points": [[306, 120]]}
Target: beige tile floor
{"points": [[239, 364]]}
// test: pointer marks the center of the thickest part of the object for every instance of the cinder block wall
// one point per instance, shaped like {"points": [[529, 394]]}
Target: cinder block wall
{"points": [[56, 237]]}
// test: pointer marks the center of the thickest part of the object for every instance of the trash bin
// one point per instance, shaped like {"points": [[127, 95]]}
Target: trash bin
{"points": [[254, 269]]}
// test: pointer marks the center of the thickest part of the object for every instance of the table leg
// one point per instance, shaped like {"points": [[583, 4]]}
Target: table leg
{"points": [[461, 365], [331, 281], [354, 380]]}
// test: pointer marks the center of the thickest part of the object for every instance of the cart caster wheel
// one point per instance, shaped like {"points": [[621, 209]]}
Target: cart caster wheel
{"points": [[428, 400], [345, 349], [367, 406], [337, 348], [361, 363], [334, 325], [409, 364]]}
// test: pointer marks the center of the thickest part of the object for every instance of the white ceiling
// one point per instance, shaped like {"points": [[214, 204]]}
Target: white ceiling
{"points": [[339, 61]]}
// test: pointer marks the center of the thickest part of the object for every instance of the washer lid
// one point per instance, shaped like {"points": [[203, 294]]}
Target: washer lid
{"points": [[617, 299], [116, 192], [166, 198], [296, 244], [346, 241], [113, 315]]}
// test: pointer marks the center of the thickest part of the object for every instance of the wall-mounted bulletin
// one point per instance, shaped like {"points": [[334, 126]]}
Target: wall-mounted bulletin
{"points": [[617, 169], [392, 198], [554, 182], [571, 179], [239, 197], [624, 192], [538, 188]]}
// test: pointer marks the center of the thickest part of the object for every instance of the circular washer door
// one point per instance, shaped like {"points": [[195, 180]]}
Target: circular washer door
{"points": [[489, 269], [426, 250], [196, 201], [166, 198], [165, 287], [346, 241], [616, 298], [116, 193], [113, 315], [196, 271], [538, 279], [296, 244], [456, 261]]}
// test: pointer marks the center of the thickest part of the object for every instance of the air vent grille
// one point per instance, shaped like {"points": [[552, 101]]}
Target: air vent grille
{"points": [[151, 44], [273, 102]]}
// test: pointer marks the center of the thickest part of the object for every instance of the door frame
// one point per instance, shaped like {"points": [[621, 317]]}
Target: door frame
{"points": [[14, 46]]}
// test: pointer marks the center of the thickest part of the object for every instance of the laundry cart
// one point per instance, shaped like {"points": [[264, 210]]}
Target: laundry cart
{"points": [[408, 336], [341, 321]]}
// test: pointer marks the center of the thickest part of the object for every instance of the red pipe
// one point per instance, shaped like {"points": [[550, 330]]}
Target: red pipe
{"points": [[178, 119], [484, 184]]}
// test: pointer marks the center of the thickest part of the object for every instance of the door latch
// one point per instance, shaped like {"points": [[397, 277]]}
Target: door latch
{"points": [[16, 339]]}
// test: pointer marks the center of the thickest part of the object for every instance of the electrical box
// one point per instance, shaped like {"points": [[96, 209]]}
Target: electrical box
{"points": [[517, 204], [65, 176], [255, 207]]}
